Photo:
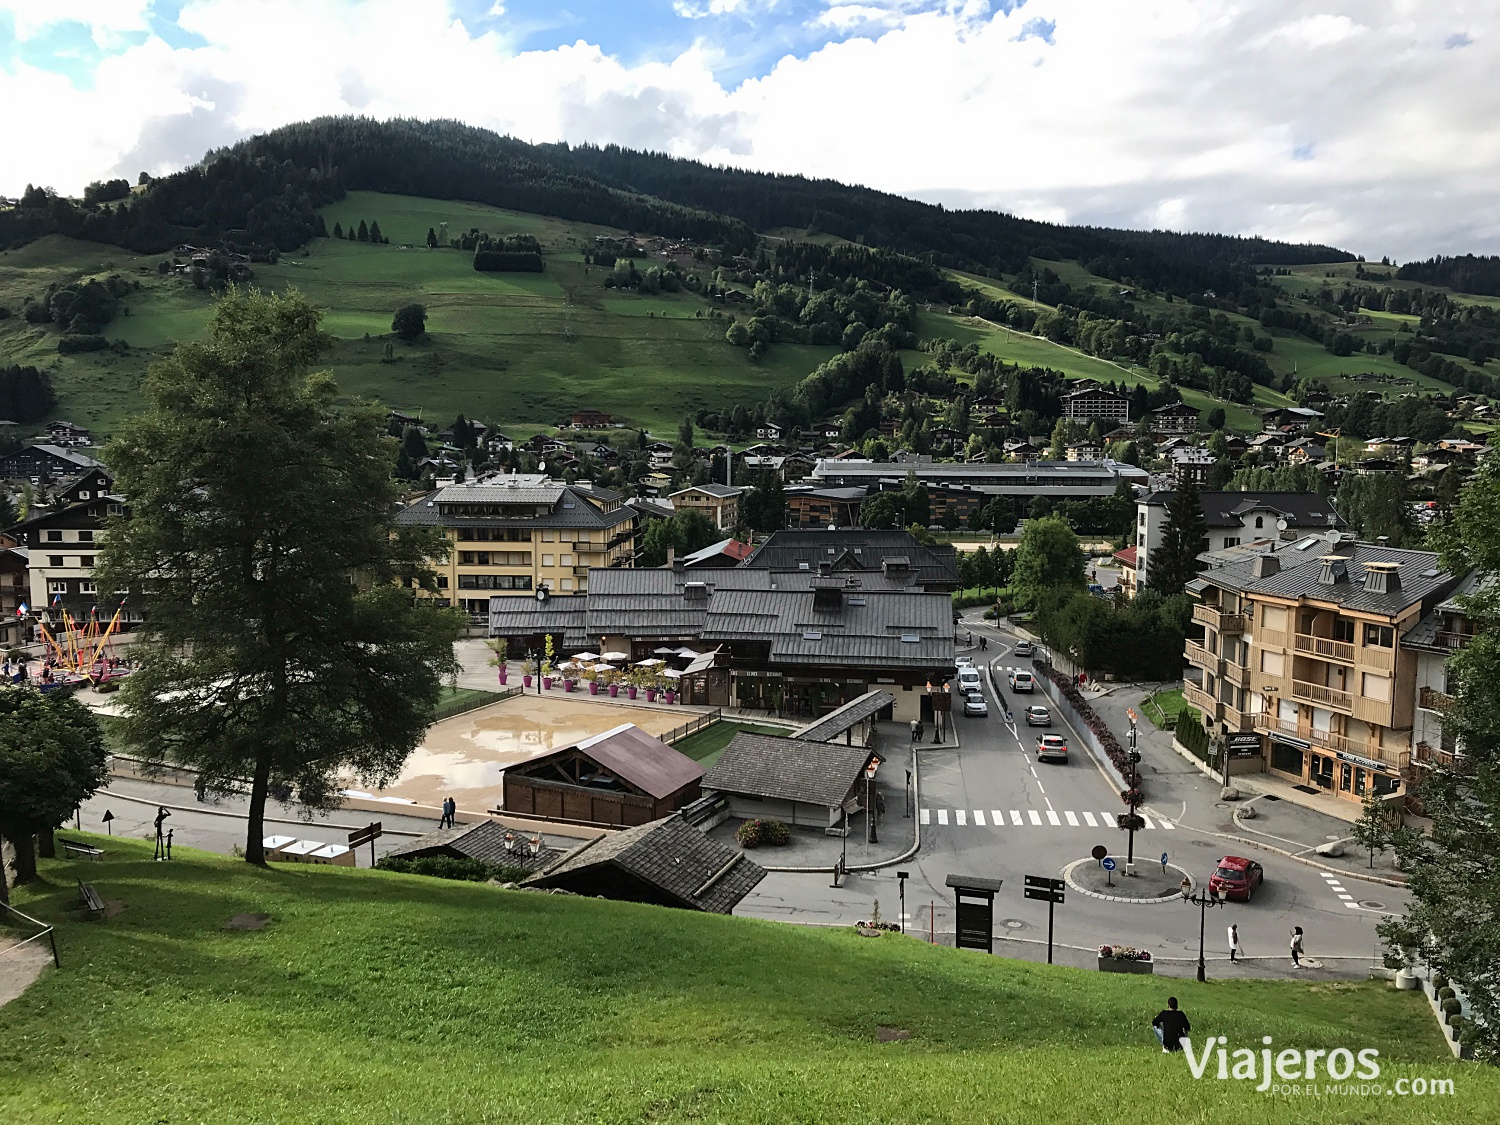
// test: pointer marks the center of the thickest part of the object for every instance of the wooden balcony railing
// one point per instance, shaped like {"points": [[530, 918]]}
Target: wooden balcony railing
{"points": [[1324, 738], [1324, 647], [1197, 697], [1215, 618], [1448, 639], [1431, 699], [1430, 755], [1327, 696], [1237, 674], [1197, 654]]}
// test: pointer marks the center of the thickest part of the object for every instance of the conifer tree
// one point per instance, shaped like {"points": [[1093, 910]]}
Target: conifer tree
{"points": [[1174, 564]]}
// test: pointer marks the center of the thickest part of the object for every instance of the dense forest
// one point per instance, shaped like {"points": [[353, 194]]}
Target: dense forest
{"points": [[25, 394], [1466, 274]]}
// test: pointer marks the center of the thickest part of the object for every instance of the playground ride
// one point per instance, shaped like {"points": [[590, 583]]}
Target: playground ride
{"points": [[81, 654]]}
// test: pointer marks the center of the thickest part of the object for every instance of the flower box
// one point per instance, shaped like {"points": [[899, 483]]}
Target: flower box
{"points": [[525, 681], [650, 695], [614, 690], [630, 692], [546, 683], [569, 685], [503, 677], [671, 696], [1114, 965], [593, 687]]}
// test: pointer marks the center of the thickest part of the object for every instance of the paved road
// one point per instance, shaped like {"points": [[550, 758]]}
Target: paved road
{"points": [[1043, 824]]}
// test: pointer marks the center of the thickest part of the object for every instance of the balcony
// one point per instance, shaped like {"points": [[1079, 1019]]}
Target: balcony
{"points": [[1430, 755], [1324, 648], [1200, 656], [1327, 696], [1237, 674], [1215, 618], [1197, 697], [1430, 699], [1455, 641], [1326, 739]]}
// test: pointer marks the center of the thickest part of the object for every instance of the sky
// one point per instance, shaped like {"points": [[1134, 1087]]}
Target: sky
{"points": [[1373, 125]]}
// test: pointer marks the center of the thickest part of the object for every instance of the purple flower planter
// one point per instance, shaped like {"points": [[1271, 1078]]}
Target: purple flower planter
{"points": [[593, 688], [671, 697], [630, 692], [650, 695], [546, 683], [614, 690], [525, 681]]}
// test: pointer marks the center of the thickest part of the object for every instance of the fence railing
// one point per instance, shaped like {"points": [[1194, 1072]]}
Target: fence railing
{"points": [[43, 931], [693, 726], [472, 703]]}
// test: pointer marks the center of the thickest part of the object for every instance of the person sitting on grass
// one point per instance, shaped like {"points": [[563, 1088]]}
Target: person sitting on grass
{"points": [[1171, 1026]]}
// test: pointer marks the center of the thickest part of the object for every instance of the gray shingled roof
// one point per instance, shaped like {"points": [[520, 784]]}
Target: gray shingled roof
{"points": [[837, 721], [788, 769], [634, 756], [673, 855], [722, 491], [513, 615], [1226, 509], [854, 547], [483, 840], [1422, 576], [570, 508], [1424, 633]]}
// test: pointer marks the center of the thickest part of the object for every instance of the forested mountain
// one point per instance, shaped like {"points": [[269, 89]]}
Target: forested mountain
{"points": [[1466, 274], [263, 193]]}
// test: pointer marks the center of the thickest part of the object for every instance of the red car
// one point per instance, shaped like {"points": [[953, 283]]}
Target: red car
{"points": [[1236, 877]]}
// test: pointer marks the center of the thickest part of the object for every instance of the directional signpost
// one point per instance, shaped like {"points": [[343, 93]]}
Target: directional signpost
{"points": [[1163, 863], [366, 835], [1108, 863], [1049, 891]]}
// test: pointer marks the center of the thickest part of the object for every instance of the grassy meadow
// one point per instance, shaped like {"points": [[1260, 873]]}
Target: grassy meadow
{"points": [[375, 997]]}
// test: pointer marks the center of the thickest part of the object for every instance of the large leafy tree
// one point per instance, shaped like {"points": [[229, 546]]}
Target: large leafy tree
{"points": [[1174, 563], [51, 759], [1047, 558], [687, 531], [282, 645], [1452, 919]]}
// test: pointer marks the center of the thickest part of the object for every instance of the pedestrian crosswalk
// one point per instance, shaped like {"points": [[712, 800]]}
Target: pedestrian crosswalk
{"points": [[1338, 888], [1030, 818]]}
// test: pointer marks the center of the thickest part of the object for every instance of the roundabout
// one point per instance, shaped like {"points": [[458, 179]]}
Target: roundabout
{"points": [[1151, 883]]}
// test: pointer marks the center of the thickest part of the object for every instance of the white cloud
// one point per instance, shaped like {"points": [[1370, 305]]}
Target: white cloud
{"points": [[108, 21], [1353, 126]]}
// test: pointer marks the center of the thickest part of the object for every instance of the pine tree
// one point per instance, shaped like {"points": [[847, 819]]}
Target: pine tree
{"points": [[320, 228], [1174, 564], [375, 233], [338, 230], [364, 231], [431, 239]]}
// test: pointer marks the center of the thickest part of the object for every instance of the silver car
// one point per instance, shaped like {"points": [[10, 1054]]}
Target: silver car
{"points": [[1038, 716], [974, 704]]}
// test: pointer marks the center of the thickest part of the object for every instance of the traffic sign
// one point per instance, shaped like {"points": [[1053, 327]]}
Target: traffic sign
{"points": [[1108, 863], [1163, 863], [1050, 891], [1099, 852]]}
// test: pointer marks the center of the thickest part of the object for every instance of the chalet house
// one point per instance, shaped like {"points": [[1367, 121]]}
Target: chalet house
{"points": [[1191, 465], [621, 778], [1086, 451], [38, 463], [808, 506], [720, 503], [828, 431], [1095, 404], [768, 431], [1174, 418], [66, 434], [590, 420], [1304, 451], [800, 782], [487, 841]]}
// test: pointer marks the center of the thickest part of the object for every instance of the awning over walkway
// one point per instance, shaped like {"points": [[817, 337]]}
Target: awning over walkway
{"points": [[841, 719]]}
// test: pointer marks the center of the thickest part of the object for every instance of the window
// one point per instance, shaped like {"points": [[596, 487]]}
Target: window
{"points": [[546, 537], [442, 582], [85, 561], [1343, 630], [57, 586], [83, 494], [1376, 687], [1260, 522], [85, 536], [547, 560], [1273, 617], [566, 560], [1378, 636], [1231, 540], [494, 582], [465, 558], [86, 587], [54, 537], [1273, 663], [54, 560], [567, 584]]}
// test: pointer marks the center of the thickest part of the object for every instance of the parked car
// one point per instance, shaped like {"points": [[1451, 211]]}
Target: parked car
{"points": [[1025, 648], [1051, 746], [1038, 716], [974, 704], [1236, 877], [1021, 681]]}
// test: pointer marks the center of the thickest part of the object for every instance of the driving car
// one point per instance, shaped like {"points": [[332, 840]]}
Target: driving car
{"points": [[1038, 716], [974, 704], [1025, 648], [1051, 746], [1021, 681], [968, 679], [1236, 877]]}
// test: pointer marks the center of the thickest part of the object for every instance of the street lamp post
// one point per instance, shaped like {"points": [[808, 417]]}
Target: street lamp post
{"points": [[870, 800], [1134, 756], [1202, 900]]}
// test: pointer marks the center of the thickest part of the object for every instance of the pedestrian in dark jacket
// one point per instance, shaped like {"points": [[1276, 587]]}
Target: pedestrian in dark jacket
{"points": [[450, 807], [1171, 1026]]}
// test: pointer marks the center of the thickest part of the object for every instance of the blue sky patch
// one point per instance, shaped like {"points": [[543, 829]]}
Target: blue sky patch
{"points": [[1037, 29]]}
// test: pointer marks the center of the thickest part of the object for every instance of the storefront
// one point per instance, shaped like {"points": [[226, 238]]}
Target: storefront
{"points": [[1347, 775]]}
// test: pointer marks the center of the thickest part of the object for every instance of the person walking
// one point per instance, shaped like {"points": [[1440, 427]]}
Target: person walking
{"points": [[1234, 942], [916, 730], [1171, 1026], [450, 807], [1296, 946]]}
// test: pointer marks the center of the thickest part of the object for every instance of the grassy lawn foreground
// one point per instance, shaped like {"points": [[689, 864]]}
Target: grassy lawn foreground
{"points": [[373, 997]]}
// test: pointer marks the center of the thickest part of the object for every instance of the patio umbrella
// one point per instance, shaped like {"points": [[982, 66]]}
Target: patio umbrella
{"points": [[671, 673], [585, 656], [617, 656], [665, 651], [604, 667], [648, 663]]}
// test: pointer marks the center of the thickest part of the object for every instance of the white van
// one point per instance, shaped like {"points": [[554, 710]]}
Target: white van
{"points": [[968, 680], [1022, 681]]}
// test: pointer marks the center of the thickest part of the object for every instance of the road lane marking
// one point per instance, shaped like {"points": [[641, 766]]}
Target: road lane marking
{"points": [[1147, 819], [1053, 819], [979, 817], [997, 818], [961, 817], [1088, 816], [1015, 816], [1109, 820], [926, 816], [1036, 817], [1072, 819], [1168, 825], [942, 816]]}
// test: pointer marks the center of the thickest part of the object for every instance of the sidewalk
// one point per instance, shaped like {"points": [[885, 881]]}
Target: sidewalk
{"points": [[1284, 820]]}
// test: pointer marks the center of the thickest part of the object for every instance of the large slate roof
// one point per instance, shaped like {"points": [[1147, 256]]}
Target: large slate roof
{"points": [[636, 757], [840, 719], [855, 548], [788, 769], [673, 855], [567, 507], [1424, 633], [1422, 576], [1226, 509]]}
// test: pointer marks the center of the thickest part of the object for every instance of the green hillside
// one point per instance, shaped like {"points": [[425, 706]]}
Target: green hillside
{"points": [[516, 348], [372, 997]]}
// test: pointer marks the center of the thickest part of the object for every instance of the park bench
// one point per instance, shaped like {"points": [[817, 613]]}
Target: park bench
{"points": [[82, 851], [91, 900]]}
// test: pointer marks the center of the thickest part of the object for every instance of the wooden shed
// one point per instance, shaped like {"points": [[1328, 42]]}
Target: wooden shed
{"points": [[621, 778]]}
